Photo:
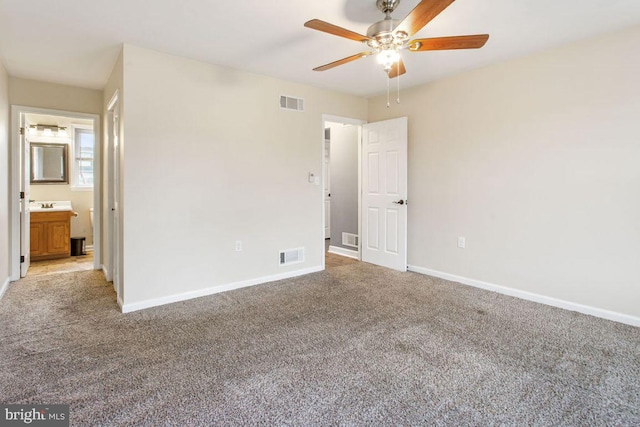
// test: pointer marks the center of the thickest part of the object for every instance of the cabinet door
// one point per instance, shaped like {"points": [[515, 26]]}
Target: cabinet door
{"points": [[38, 245], [58, 237]]}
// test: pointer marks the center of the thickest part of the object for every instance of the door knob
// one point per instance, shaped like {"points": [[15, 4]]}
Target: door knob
{"points": [[399, 202]]}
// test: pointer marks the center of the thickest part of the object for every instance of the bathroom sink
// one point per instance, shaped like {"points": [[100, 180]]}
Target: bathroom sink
{"points": [[56, 206]]}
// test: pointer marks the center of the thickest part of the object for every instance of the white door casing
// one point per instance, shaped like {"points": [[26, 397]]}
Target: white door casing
{"points": [[384, 193], [25, 188], [113, 267], [17, 177], [327, 189], [115, 206]]}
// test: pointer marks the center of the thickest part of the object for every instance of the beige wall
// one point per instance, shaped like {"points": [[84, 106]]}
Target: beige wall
{"points": [[210, 158], [33, 93], [536, 162], [4, 177]]}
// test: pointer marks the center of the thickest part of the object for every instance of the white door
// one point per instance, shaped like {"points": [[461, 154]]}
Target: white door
{"points": [[25, 190], [327, 190], [384, 193]]}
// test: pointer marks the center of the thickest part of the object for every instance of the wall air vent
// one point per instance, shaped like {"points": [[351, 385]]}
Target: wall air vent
{"points": [[292, 256], [349, 239], [290, 103]]}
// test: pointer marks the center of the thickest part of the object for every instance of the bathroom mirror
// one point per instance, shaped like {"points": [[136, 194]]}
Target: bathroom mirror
{"points": [[49, 163]]}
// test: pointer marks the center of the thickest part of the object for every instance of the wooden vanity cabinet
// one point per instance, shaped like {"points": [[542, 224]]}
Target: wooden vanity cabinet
{"points": [[50, 235]]}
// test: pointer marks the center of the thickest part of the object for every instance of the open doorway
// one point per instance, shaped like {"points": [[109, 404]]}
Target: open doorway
{"points": [[341, 189], [55, 192], [61, 175]]}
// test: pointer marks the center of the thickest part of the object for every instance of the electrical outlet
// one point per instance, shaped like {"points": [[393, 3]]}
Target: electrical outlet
{"points": [[238, 245], [462, 242]]}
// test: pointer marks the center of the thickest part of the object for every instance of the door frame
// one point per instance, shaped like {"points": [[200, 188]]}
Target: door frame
{"points": [[25, 187], [113, 199], [14, 183], [347, 121], [326, 184]]}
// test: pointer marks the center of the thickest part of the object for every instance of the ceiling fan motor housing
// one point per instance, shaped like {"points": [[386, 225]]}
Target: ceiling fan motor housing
{"points": [[381, 33], [381, 28], [387, 6]]}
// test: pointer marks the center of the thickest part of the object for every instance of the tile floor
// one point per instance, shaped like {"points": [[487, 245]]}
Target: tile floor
{"points": [[62, 265]]}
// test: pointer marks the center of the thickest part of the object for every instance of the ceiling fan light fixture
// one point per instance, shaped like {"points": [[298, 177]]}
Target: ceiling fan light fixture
{"points": [[400, 36], [388, 57]]}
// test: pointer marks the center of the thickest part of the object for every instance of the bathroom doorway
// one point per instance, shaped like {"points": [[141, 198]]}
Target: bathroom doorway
{"points": [[59, 166]]}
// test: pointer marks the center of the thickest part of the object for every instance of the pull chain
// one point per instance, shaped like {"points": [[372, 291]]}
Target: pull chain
{"points": [[398, 78], [388, 104]]}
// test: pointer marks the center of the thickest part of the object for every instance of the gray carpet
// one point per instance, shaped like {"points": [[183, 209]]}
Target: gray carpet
{"points": [[354, 345]]}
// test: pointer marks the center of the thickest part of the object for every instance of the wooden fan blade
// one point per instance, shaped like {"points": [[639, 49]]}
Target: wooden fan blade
{"points": [[397, 70], [319, 25], [445, 43], [421, 15], [343, 61]]}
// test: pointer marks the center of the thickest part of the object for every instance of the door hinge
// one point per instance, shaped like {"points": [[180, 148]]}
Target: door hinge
{"points": [[21, 131], [21, 258], [22, 195]]}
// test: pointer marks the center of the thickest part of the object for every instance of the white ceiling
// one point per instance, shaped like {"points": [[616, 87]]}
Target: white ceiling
{"points": [[76, 42]]}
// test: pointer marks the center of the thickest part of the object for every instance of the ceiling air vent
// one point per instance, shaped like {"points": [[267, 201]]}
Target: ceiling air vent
{"points": [[289, 103], [292, 256]]}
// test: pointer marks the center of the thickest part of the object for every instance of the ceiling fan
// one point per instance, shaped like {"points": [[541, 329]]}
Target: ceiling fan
{"points": [[389, 36]]}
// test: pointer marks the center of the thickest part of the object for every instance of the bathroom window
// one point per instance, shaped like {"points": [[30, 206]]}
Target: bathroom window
{"points": [[82, 176]]}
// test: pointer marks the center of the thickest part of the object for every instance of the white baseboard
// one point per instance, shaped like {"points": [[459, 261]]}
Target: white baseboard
{"points": [[5, 286], [88, 248], [344, 252], [128, 308], [529, 296], [107, 274]]}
